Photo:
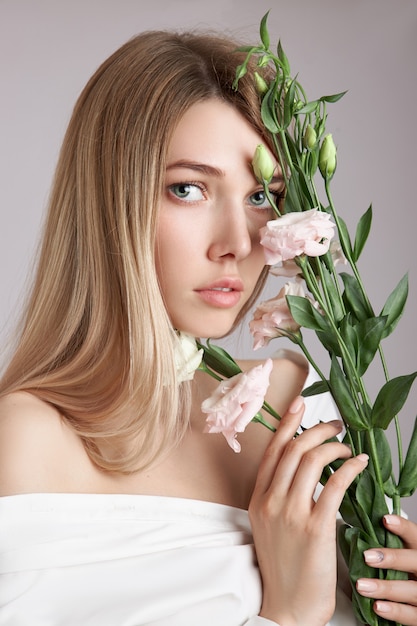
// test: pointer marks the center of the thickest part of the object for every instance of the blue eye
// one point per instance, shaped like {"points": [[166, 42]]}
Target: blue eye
{"points": [[260, 201], [187, 191]]}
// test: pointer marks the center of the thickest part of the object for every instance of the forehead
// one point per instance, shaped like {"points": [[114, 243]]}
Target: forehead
{"points": [[213, 130]]}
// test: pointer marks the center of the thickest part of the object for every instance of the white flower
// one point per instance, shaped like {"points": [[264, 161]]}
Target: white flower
{"points": [[187, 356]]}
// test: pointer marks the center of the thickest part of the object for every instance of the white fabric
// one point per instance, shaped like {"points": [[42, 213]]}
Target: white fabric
{"points": [[131, 560]]}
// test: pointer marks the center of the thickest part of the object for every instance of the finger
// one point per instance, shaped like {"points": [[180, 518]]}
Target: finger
{"points": [[393, 590], [402, 527], [286, 429], [332, 495], [403, 614], [404, 560], [310, 469], [306, 456]]}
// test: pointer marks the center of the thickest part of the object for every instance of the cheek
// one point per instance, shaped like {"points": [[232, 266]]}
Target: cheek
{"points": [[257, 255], [175, 245]]}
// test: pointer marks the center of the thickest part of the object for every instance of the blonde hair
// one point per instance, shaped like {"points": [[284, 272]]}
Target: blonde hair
{"points": [[96, 340]]}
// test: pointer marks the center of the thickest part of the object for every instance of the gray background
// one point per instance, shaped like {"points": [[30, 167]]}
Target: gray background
{"points": [[49, 48]]}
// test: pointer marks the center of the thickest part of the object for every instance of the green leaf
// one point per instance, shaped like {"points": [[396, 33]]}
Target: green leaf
{"points": [[263, 29], [219, 360], [348, 510], [344, 236], [362, 232], [240, 72], [337, 308], [390, 400], [395, 304], [294, 201], [351, 338], [289, 104], [408, 477], [308, 108], [267, 110], [333, 98], [393, 541], [329, 341], [343, 542], [283, 59], [370, 333], [343, 397], [352, 297], [372, 500], [384, 454], [358, 569], [316, 388], [312, 162], [250, 49], [305, 314]]}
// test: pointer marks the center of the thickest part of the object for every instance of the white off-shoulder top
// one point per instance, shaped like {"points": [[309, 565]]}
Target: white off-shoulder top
{"points": [[130, 560]]}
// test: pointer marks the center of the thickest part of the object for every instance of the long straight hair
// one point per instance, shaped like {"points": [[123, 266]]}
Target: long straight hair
{"points": [[96, 340]]}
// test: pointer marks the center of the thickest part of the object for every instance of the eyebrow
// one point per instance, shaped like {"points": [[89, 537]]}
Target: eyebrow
{"points": [[197, 167], [211, 170]]}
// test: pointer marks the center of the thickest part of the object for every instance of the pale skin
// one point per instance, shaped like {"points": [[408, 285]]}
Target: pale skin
{"points": [[211, 193]]}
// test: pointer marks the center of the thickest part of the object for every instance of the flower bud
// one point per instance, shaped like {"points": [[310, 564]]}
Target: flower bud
{"points": [[310, 138], [262, 164], [260, 84], [264, 60], [327, 157]]}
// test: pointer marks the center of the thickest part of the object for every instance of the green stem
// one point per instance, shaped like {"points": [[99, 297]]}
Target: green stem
{"points": [[347, 253], [346, 247], [374, 456], [203, 367], [299, 341], [356, 382], [268, 408], [258, 418]]}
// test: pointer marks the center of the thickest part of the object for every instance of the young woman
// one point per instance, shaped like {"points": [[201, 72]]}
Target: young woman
{"points": [[117, 508]]}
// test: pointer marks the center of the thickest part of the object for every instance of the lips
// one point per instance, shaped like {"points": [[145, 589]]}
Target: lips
{"points": [[223, 293]]}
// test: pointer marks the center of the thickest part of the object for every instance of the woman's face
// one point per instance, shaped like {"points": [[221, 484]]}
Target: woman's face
{"points": [[208, 253]]}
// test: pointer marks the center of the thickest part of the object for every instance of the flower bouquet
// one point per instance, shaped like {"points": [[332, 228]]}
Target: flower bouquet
{"points": [[333, 304]]}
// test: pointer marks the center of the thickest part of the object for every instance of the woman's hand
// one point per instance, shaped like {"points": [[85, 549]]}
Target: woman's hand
{"points": [[396, 600], [295, 537]]}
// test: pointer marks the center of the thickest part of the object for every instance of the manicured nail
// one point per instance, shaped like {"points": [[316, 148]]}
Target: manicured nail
{"points": [[363, 457], [296, 405], [392, 520], [373, 556], [382, 607], [363, 584]]}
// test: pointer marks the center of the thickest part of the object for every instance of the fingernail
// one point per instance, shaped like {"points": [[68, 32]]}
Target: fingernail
{"points": [[392, 520], [363, 457], [296, 405], [382, 607], [363, 584], [373, 556]]}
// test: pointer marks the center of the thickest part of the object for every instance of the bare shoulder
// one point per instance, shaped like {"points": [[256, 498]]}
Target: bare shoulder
{"points": [[35, 445]]}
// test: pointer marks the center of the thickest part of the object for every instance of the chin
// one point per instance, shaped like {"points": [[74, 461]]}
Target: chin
{"points": [[208, 326], [207, 332]]}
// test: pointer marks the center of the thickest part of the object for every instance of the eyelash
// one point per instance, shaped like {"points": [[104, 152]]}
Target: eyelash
{"points": [[277, 195], [198, 185]]}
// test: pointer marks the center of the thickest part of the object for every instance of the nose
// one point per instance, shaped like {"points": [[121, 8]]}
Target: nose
{"points": [[232, 236]]}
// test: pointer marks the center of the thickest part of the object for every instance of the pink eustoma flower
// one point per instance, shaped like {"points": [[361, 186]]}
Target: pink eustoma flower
{"points": [[273, 318], [288, 269], [235, 402], [294, 234]]}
